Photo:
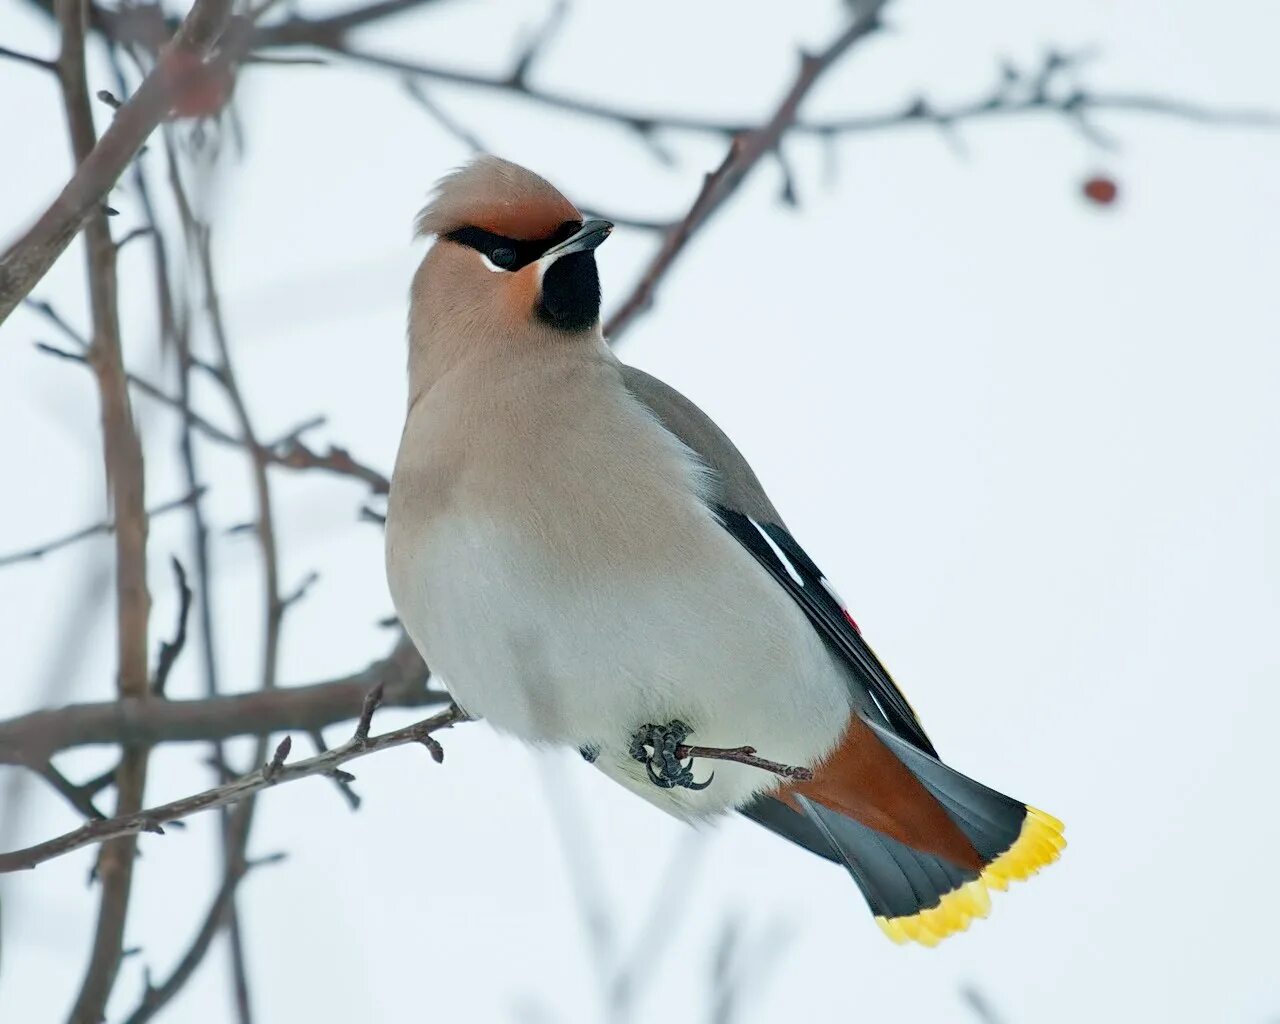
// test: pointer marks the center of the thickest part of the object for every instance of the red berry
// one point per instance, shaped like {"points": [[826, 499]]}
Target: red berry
{"points": [[196, 89], [1101, 190]]}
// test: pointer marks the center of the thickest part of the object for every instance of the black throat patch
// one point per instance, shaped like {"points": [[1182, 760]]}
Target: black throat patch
{"points": [[571, 293]]}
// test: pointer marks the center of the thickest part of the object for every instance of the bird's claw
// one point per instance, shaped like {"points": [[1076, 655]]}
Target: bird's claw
{"points": [[662, 766]]}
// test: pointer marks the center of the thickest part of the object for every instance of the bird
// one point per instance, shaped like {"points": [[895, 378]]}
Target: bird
{"points": [[588, 562]]}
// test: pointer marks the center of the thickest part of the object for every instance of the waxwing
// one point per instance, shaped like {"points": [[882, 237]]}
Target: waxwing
{"points": [[586, 560]]}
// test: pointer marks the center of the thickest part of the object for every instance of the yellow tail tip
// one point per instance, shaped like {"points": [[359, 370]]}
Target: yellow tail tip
{"points": [[1038, 844]]}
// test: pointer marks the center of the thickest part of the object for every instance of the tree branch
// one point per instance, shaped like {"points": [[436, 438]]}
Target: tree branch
{"points": [[104, 528], [273, 774], [40, 734], [97, 171], [156, 997], [122, 455], [745, 151]]}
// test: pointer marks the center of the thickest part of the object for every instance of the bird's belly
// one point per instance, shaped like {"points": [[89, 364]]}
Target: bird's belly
{"points": [[559, 649]]}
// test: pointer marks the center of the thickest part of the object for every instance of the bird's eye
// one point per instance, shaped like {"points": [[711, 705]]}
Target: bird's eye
{"points": [[502, 256]]}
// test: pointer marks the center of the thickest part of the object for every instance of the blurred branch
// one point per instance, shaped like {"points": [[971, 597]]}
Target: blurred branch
{"points": [[983, 1010], [745, 151], [27, 58], [1046, 88], [156, 997], [99, 167], [276, 772], [237, 826], [122, 456], [131, 721], [289, 451], [170, 650], [105, 528]]}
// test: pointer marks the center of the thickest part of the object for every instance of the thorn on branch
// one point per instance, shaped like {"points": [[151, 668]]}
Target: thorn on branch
{"points": [[135, 233], [300, 591], [371, 701], [341, 779], [789, 195], [434, 749], [271, 770], [270, 858]]}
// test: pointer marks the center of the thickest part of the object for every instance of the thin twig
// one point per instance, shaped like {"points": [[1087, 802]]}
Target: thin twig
{"points": [[155, 818], [26, 58], [745, 755], [171, 649], [745, 151], [96, 530], [290, 452], [79, 797], [156, 997]]}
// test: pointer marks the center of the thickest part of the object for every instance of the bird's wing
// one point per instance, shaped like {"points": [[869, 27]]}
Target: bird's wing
{"points": [[740, 503]]}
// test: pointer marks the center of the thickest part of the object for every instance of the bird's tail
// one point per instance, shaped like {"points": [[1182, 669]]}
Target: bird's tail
{"points": [[926, 896]]}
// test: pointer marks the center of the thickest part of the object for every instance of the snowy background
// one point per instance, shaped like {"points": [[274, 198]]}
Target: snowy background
{"points": [[1032, 439]]}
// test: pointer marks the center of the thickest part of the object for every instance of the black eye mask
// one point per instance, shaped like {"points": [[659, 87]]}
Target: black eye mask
{"points": [[510, 253]]}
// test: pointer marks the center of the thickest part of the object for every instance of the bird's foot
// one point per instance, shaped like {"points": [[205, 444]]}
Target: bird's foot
{"points": [[589, 752], [664, 768]]}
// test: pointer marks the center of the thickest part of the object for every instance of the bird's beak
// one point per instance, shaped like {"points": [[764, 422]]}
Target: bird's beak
{"points": [[587, 237]]}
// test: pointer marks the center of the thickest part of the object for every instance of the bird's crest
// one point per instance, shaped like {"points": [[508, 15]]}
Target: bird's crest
{"points": [[498, 196]]}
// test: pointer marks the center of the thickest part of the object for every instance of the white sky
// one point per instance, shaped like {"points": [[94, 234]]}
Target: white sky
{"points": [[1034, 443]]}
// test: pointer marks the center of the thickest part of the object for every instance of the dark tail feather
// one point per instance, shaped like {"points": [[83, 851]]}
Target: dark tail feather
{"points": [[921, 896]]}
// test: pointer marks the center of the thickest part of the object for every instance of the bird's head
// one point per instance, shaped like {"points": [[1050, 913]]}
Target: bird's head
{"points": [[513, 257]]}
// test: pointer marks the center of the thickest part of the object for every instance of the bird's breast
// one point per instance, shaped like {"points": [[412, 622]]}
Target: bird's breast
{"points": [[563, 575]]}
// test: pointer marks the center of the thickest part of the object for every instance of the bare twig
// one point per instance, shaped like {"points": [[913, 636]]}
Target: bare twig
{"points": [[156, 997], [79, 797], [170, 649], [26, 58], [445, 120], [154, 819], [745, 151], [745, 755], [289, 452], [98, 169], [96, 530], [296, 455], [340, 779]]}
